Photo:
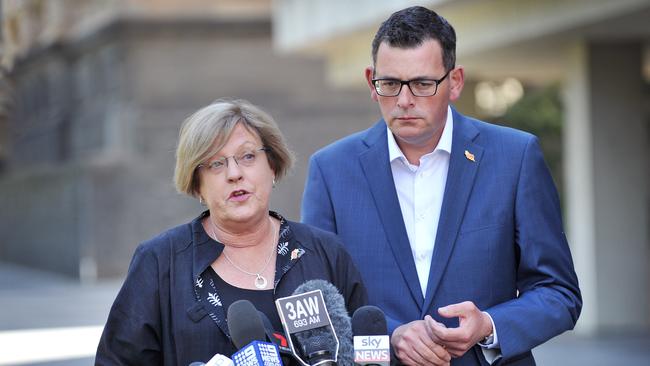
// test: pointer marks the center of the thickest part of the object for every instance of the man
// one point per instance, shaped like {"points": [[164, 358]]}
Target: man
{"points": [[454, 223]]}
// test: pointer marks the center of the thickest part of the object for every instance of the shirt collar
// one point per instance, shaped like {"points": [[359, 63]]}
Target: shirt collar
{"points": [[444, 144]]}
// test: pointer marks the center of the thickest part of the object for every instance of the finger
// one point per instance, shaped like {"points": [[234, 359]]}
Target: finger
{"points": [[410, 348], [441, 353], [434, 328], [441, 334], [456, 343], [415, 342], [451, 334], [431, 348], [432, 356], [455, 350], [456, 310], [421, 352], [429, 319]]}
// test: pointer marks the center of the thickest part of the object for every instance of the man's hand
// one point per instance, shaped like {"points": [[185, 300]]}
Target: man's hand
{"points": [[474, 325], [413, 345]]}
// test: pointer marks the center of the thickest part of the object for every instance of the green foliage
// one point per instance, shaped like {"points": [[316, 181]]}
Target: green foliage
{"points": [[540, 112]]}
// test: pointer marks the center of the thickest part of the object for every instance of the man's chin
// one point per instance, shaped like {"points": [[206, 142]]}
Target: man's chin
{"points": [[408, 134]]}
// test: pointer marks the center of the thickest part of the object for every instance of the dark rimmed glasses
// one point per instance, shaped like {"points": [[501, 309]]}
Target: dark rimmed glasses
{"points": [[419, 87]]}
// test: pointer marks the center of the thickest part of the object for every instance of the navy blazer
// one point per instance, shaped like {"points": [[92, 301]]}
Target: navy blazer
{"points": [[499, 244], [158, 318]]}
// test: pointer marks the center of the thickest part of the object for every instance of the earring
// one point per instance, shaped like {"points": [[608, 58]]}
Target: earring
{"points": [[273, 182], [201, 201]]}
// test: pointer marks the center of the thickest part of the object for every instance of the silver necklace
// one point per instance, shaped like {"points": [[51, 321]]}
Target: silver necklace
{"points": [[260, 281]]}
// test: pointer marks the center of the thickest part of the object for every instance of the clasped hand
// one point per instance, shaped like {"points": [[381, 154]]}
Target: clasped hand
{"points": [[428, 342]]}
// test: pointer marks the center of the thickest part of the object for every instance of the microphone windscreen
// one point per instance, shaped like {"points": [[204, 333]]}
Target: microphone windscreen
{"points": [[340, 321], [369, 320], [244, 323]]}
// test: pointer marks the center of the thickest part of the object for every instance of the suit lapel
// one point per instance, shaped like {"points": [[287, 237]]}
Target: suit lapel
{"points": [[460, 180], [376, 167]]}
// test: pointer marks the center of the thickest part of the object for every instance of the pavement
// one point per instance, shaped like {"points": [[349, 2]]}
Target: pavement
{"points": [[51, 320]]}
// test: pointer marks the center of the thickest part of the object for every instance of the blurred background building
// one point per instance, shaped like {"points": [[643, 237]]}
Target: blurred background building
{"points": [[98, 90], [92, 94], [598, 53]]}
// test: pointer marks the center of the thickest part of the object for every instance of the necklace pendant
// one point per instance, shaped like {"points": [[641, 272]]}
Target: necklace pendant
{"points": [[260, 282]]}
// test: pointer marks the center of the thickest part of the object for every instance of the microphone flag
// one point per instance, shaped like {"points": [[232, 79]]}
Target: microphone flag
{"points": [[303, 312], [372, 350], [257, 353]]}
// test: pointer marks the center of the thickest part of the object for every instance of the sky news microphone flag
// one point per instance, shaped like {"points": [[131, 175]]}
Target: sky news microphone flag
{"points": [[371, 341]]}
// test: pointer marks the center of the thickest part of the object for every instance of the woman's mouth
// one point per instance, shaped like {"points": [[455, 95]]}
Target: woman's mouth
{"points": [[239, 195]]}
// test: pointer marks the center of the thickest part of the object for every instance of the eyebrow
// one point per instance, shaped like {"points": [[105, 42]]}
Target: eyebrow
{"points": [[241, 148], [415, 78]]}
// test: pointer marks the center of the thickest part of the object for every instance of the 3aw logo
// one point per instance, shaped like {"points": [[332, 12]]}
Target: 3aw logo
{"points": [[303, 308], [303, 312]]}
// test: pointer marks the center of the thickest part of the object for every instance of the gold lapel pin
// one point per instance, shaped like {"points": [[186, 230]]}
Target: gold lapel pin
{"points": [[469, 156]]}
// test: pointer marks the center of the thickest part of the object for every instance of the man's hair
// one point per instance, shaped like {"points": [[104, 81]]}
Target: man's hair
{"points": [[410, 27]]}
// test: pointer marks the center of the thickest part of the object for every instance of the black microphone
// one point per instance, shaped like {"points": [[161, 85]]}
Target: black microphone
{"points": [[248, 334], [323, 336], [371, 342], [278, 338], [244, 323], [369, 320]]}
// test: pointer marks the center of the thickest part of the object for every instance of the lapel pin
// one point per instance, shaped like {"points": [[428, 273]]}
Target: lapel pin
{"points": [[469, 156], [297, 253]]}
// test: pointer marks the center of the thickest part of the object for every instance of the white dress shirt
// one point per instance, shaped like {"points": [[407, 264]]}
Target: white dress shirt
{"points": [[426, 182], [420, 190]]}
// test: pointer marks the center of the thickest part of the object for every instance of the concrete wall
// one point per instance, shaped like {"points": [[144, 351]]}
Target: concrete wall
{"points": [[94, 126], [606, 148]]}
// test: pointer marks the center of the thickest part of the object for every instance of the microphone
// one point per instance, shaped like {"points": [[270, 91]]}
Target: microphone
{"points": [[244, 323], [277, 338], [216, 360], [313, 317], [338, 314], [219, 360], [257, 353], [247, 332], [371, 342]]}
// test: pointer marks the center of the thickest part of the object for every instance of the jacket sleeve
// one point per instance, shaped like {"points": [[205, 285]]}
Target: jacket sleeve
{"points": [[350, 282], [316, 206], [549, 300], [132, 335]]}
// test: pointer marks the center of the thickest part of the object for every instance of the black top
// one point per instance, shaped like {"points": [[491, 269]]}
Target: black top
{"points": [[262, 299], [159, 317]]}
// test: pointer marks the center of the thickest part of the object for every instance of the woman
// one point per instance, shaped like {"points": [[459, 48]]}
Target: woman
{"points": [[172, 307]]}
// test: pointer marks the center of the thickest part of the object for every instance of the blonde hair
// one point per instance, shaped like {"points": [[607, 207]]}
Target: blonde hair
{"points": [[206, 132]]}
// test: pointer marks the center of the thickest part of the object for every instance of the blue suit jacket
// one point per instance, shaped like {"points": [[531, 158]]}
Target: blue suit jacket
{"points": [[499, 244]]}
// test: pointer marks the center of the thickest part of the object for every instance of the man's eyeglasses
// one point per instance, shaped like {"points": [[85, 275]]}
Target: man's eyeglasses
{"points": [[245, 158], [419, 87]]}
